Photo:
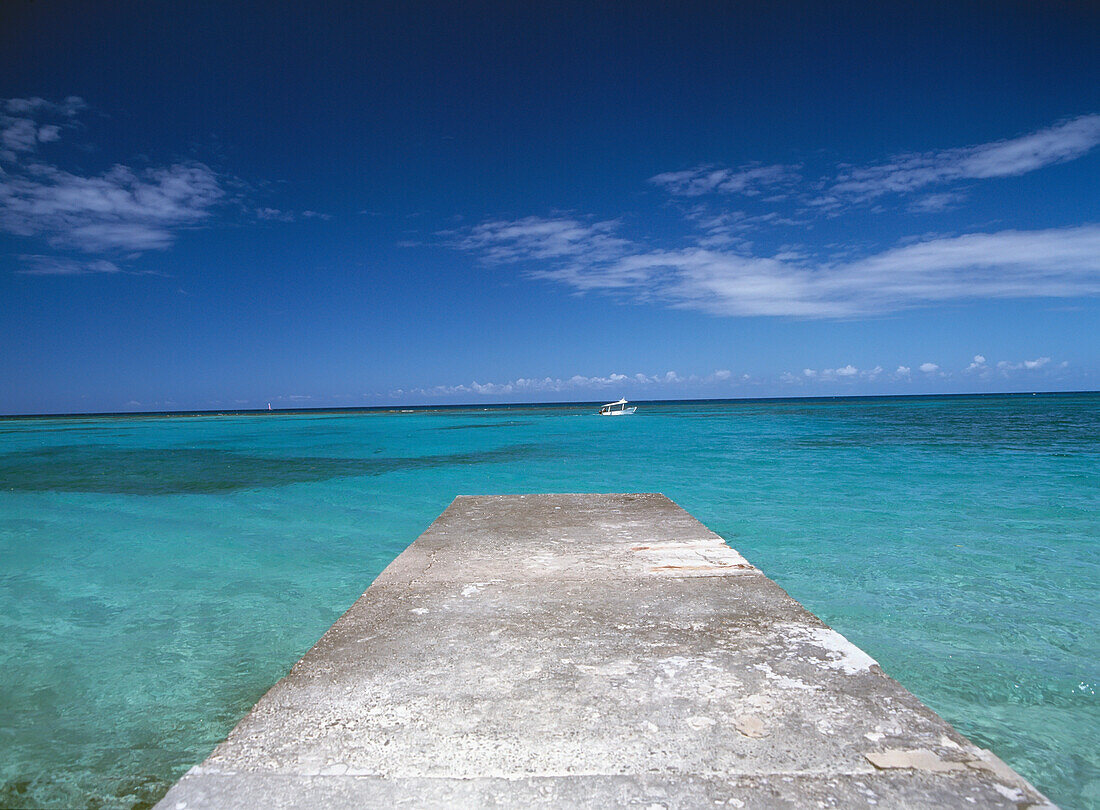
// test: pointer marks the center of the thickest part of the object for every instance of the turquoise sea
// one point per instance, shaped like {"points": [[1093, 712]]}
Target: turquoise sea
{"points": [[159, 573]]}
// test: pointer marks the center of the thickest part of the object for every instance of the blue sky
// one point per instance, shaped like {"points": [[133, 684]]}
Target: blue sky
{"points": [[208, 205]]}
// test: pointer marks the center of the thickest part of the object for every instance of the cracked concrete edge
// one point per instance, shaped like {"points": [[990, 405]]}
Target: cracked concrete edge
{"points": [[922, 791]]}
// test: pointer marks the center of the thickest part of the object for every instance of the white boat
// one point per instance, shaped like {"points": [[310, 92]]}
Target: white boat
{"points": [[617, 409]]}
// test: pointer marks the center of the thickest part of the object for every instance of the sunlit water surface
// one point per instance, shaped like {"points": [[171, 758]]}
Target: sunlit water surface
{"points": [[158, 575]]}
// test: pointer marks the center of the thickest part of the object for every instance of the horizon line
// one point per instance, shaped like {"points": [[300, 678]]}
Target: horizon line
{"points": [[491, 405]]}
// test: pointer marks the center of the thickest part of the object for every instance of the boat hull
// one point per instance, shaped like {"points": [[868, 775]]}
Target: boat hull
{"points": [[623, 412]]}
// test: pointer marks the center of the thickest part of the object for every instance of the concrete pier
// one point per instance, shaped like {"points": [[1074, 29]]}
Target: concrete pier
{"points": [[588, 651]]}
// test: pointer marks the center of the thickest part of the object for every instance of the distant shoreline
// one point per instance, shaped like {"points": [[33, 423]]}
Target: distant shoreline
{"points": [[484, 406]]}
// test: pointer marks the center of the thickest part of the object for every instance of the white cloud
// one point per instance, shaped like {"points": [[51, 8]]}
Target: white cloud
{"points": [[1009, 264], [49, 133], [23, 123], [18, 135], [749, 180], [846, 373], [977, 365], [903, 371], [905, 173], [929, 368], [491, 388], [578, 382], [118, 210], [1058, 262]]}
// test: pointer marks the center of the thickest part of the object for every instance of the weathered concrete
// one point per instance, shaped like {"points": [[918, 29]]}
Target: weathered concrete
{"points": [[595, 651]]}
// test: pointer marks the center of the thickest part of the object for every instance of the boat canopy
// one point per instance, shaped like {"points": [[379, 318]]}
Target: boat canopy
{"points": [[620, 402]]}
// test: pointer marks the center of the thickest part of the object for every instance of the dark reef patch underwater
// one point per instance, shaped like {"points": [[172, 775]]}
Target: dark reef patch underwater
{"points": [[178, 470]]}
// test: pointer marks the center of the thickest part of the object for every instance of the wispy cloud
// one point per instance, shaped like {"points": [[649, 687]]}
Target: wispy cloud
{"points": [[749, 180], [279, 215], [781, 194], [537, 238], [61, 266], [45, 265], [728, 228], [721, 269], [935, 203], [118, 210], [1058, 262], [274, 214], [1006, 158], [1026, 365]]}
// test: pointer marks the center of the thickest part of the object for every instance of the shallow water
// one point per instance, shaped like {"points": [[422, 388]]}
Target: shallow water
{"points": [[160, 573]]}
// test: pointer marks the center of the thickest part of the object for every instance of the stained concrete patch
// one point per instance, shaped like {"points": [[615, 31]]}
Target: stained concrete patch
{"points": [[584, 650]]}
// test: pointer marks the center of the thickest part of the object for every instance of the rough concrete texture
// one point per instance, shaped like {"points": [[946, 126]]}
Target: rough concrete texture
{"points": [[591, 651]]}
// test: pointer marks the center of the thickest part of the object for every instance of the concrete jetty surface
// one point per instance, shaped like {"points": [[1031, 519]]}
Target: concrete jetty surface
{"points": [[588, 651]]}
